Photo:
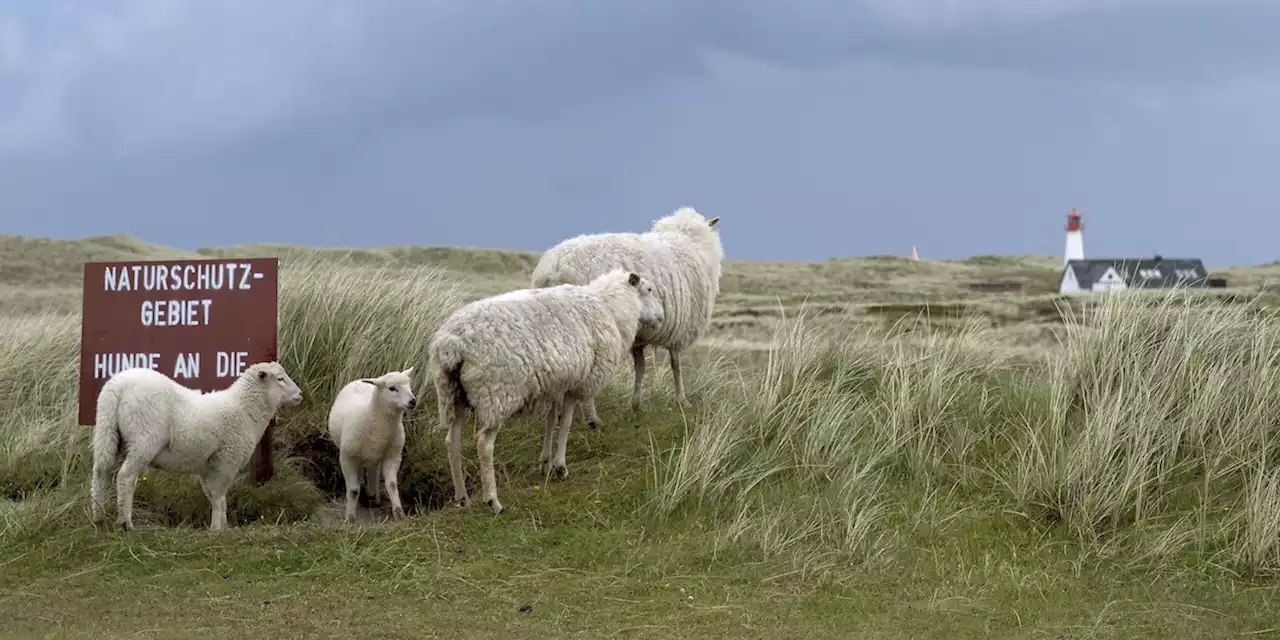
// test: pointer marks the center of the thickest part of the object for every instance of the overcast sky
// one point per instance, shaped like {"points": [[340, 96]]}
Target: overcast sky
{"points": [[814, 128]]}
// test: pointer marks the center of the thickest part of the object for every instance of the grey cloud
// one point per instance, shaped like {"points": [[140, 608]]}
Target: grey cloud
{"points": [[208, 72], [860, 124], [147, 76]]}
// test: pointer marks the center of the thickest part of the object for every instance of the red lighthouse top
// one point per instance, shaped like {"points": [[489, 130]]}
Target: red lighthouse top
{"points": [[1073, 221]]}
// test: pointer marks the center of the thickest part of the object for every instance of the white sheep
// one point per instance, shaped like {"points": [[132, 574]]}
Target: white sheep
{"points": [[681, 254], [367, 423], [532, 351], [156, 422]]}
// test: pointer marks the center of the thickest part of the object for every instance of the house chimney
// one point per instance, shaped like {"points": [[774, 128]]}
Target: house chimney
{"points": [[1075, 238]]}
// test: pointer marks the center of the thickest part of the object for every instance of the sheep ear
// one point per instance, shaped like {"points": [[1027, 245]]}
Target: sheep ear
{"points": [[633, 279], [408, 372], [262, 375], [712, 222], [373, 381]]}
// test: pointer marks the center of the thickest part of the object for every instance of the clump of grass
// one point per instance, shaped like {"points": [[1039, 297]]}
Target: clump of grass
{"points": [[820, 445], [169, 500], [1151, 427], [26, 474], [1160, 412], [40, 442], [340, 321]]}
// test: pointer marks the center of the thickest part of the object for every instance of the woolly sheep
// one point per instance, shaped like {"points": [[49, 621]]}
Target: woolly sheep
{"points": [[681, 254], [156, 422], [532, 351], [366, 422]]}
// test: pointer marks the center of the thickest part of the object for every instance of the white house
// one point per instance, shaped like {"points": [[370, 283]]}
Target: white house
{"points": [[1113, 274]]}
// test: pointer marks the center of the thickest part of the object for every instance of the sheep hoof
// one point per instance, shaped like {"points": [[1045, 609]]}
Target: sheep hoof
{"points": [[494, 506], [125, 526], [561, 471], [593, 424], [397, 514], [544, 466], [461, 503]]}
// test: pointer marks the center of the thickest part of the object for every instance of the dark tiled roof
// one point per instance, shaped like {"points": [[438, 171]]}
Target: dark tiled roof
{"points": [[1143, 273]]}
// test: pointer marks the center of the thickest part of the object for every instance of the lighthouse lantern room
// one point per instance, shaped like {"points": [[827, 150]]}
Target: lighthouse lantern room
{"points": [[1075, 238]]}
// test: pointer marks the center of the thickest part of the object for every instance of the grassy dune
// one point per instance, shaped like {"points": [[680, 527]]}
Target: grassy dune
{"points": [[871, 448]]}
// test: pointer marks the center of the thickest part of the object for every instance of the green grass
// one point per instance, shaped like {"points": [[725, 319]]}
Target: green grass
{"points": [[1111, 474]]}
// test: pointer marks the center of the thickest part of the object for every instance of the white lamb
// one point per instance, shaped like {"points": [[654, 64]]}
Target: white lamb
{"points": [[531, 351], [157, 422], [367, 424], [681, 254]]}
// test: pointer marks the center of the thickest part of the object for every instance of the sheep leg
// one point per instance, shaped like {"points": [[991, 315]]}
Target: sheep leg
{"points": [[488, 484], [215, 486], [675, 374], [637, 358], [553, 419], [589, 412], [560, 468], [351, 476], [126, 482], [390, 468], [453, 443], [98, 491], [373, 485], [218, 511]]}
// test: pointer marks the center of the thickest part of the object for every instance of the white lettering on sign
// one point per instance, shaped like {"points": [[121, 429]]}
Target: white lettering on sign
{"points": [[187, 366], [223, 276], [106, 365], [175, 313], [230, 365]]}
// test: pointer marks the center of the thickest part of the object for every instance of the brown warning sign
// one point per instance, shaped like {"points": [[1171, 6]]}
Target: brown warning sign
{"points": [[200, 322]]}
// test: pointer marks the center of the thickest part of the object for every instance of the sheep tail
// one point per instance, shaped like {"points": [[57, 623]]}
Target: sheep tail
{"points": [[107, 439], [448, 354]]}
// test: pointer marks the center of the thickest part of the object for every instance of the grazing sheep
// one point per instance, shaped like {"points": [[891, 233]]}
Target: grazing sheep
{"points": [[681, 254], [532, 351], [157, 422], [367, 424]]}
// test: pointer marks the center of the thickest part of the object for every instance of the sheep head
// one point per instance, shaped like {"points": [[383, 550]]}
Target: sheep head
{"points": [[395, 389], [282, 390], [651, 311]]}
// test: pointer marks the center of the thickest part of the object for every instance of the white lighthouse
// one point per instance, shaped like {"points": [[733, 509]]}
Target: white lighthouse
{"points": [[1075, 238]]}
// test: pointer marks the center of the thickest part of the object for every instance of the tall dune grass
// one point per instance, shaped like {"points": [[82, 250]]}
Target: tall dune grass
{"points": [[39, 391], [1161, 421], [1151, 428]]}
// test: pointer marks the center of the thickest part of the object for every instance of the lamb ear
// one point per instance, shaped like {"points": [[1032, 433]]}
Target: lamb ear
{"points": [[633, 279], [262, 375], [373, 381], [408, 372], [712, 222]]}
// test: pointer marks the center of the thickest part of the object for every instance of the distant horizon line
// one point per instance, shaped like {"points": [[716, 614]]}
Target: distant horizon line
{"points": [[904, 256]]}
